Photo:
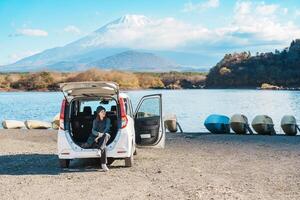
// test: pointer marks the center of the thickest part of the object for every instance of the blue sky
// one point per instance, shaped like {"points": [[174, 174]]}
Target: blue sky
{"points": [[31, 26]]}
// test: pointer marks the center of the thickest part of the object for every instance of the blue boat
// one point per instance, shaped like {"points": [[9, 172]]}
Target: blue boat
{"points": [[218, 124]]}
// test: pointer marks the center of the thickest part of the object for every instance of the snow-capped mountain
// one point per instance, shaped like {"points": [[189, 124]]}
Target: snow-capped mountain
{"points": [[107, 47]]}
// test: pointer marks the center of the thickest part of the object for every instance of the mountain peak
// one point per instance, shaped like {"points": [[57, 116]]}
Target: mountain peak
{"points": [[138, 20], [128, 21]]}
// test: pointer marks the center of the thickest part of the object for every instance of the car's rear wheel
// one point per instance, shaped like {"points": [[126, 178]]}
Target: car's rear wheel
{"points": [[129, 160], [64, 163]]}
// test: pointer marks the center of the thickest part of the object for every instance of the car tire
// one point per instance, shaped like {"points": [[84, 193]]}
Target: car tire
{"points": [[129, 160], [110, 161], [64, 163]]}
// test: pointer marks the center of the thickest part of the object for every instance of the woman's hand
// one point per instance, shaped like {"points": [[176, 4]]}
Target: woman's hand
{"points": [[98, 137], [107, 135]]}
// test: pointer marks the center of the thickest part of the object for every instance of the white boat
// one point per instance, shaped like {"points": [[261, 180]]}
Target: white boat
{"points": [[239, 124], [55, 122], [171, 123], [13, 124], [289, 125], [35, 124], [263, 125]]}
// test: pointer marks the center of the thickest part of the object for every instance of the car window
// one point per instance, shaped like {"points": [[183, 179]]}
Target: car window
{"points": [[130, 107], [127, 107], [95, 104], [149, 108]]}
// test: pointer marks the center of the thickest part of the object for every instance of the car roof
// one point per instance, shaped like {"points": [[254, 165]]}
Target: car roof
{"points": [[90, 88]]}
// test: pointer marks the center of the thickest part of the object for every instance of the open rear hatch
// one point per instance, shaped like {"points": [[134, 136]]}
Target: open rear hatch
{"points": [[90, 89]]}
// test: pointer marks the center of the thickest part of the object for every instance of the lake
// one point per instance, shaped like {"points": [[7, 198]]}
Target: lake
{"points": [[190, 106]]}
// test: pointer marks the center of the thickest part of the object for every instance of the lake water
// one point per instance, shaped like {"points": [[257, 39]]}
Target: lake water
{"points": [[190, 106]]}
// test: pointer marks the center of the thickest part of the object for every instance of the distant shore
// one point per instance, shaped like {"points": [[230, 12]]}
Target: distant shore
{"points": [[137, 89], [49, 81]]}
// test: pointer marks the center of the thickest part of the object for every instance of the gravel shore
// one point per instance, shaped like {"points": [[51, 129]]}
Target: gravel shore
{"points": [[192, 166]]}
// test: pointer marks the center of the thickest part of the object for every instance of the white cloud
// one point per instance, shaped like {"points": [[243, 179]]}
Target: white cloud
{"points": [[72, 29], [33, 32], [285, 11], [140, 32], [29, 32], [17, 56], [255, 24], [297, 13], [243, 7], [260, 23], [264, 9], [190, 7]]}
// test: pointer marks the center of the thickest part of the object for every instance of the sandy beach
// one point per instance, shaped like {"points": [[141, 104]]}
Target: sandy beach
{"points": [[192, 166]]}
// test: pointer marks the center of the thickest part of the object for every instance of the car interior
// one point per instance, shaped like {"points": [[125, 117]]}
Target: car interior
{"points": [[146, 124], [83, 112]]}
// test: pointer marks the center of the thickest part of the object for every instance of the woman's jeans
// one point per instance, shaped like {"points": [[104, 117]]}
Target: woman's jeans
{"points": [[103, 158], [101, 146]]}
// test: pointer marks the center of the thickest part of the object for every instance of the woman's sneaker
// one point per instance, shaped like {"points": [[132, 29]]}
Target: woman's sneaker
{"points": [[104, 167]]}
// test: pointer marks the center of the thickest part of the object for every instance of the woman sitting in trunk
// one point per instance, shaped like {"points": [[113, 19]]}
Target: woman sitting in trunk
{"points": [[99, 136]]}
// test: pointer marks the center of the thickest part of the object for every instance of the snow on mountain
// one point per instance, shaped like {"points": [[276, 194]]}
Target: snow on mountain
{"points": [[130, 32]]}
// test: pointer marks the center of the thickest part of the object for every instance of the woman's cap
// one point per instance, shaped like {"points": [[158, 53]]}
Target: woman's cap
{"points": [[99, 109]]}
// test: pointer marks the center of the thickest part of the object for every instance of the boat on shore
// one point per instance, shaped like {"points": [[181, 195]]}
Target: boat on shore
{"points": [[217, 124], [239, 124], [55, 122], [171, 123], [289, 125], [13, 124], [263, 125], [36, 124]]}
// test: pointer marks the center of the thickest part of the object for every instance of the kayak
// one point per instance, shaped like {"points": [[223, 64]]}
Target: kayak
{"points": [[55, 121], [263, 125], [218, 124], [13, 124], [171, 125], [239, 124], [289, 125], [35, 124]]}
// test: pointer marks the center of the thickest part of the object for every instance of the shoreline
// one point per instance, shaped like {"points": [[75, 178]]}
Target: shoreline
{"points": [[178, 89]]}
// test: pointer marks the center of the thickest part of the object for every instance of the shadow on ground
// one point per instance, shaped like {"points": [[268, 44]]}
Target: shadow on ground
{"points": [[273, 140], [29, 164], [43, 164]]}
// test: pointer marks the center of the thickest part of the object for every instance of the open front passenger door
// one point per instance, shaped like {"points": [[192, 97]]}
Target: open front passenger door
{"points": [[148, 122]]}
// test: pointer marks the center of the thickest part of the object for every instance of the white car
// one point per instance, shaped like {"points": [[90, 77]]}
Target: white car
{"points": [[129, 129]]}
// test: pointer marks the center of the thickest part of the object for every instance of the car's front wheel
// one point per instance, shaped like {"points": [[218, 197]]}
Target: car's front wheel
{"points": [[129, 160], [135, 151], [64, 163]]}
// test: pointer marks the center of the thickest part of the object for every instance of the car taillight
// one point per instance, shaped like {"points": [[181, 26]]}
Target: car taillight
{"points": [[124, 120], [62, 115]]}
